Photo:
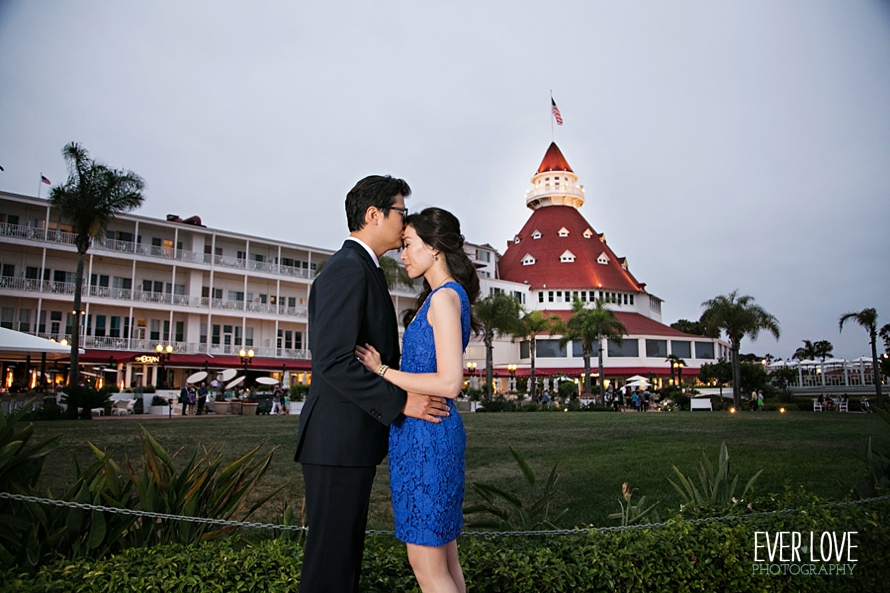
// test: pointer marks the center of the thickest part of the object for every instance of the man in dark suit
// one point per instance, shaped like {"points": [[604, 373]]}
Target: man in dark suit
{"points": [[344, 425]]}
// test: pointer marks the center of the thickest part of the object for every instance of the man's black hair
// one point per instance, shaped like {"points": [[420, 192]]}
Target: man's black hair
{"points": [[375, 190]]}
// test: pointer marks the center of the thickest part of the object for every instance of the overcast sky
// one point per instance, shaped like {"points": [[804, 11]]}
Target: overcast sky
{"points": [[723, 146]]}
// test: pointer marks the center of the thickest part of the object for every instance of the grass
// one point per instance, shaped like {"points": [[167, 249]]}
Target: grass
{"points": [[595, 452]]}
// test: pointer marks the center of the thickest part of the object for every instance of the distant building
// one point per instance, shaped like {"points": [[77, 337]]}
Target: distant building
{"points": [[557, 257], [209, 293]]}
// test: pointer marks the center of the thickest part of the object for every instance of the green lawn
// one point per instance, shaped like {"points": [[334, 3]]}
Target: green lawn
{"points": [[595, 452]]}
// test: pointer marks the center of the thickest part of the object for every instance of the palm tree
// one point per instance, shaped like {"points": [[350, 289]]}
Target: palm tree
{"points": [[739, 317], [868, 319], [805, 352], [589, 326], [676, 363], [499, 315], [93, 196], [813, 350], [395, 274], [530, 326]]}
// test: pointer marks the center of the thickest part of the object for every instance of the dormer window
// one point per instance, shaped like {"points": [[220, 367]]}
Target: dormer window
{"points": [[603, 259], [588, 234], [536, 234], [624, 264], [563, 232], [516, 239], [567, 257], [528, 260], [602, 237]]}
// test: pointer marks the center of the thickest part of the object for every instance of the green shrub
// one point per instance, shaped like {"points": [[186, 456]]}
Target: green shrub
{"points": [[298, 392], [713, 556], [84, 398]]}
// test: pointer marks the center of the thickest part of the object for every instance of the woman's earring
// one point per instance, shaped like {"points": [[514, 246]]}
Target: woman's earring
{"points": [[435, 258]]}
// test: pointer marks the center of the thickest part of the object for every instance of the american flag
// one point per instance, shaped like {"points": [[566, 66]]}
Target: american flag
{"points": [[45, 180], [556, 112]]}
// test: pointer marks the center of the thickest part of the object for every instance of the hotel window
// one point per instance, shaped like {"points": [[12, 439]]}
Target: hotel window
{"points": [[235, 295], [154, 332], [592, 296], [549, 349], [217, 293], [625, 300], [292, 302], [528, 260], [563, 232], [8, 270], [550, 296], [484, 255], [656, 348], [704, 350], [298, 340], [681, 348], [55, 322], [179, 336], [541, 297], [536, 234], [203, 337], [583, 296], [567, 257], [24, 320], [7, 314], [628, 348], [32, 273], [100, 326], [558, 296], [41, 322], [114, 330], [631, 299], [588, 234], [524, 349], [603, 258]]}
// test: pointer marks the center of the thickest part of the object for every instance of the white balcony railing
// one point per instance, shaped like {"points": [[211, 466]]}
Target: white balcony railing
{"points": [[18, 231]]}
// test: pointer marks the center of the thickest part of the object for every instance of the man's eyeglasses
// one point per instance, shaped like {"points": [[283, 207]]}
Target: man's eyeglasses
{"points": [[402, 211]]}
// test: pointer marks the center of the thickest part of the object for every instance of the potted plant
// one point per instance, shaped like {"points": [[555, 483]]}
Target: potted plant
{"points": [[159, 406]]}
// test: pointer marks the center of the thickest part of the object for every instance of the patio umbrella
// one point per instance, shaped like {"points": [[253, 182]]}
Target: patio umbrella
{"points": [[235, 383], [228, 374], [638, 378], [638, 384], [16, 345], [267, 381], [199, 376]]}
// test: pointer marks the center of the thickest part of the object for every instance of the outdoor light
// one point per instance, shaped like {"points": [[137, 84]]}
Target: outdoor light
{"points": [[781, 410], [565, 409], [732, 410], [63, 342]]}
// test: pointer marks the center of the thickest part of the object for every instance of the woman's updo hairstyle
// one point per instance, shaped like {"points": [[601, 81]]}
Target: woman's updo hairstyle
{"points": [[440, 230]]}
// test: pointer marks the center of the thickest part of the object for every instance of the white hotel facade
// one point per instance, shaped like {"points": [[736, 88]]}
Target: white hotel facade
{"points": [[209, 293]]}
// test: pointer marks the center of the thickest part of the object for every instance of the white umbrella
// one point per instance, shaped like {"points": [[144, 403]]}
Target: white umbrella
{"points": [[199, 376], [638, 384], [235, 383], [228, 374], [16, 345], [267, 381], [638, 378]]}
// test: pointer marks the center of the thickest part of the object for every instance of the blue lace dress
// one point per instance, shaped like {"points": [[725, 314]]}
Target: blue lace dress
{"points": [[426, 460]]}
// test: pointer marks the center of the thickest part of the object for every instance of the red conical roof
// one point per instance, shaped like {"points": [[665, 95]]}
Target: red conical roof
{"points": [[585, 272], [554, 161]]}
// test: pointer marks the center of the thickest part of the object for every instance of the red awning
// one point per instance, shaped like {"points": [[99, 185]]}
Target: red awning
{"points": [[194, 361]]}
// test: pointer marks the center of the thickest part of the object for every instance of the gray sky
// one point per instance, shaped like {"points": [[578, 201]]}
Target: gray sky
{"points": [[722, 145]]}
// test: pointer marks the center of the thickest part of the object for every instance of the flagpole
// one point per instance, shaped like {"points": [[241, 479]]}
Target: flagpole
{"points": [[39, 183], [552, 133]]}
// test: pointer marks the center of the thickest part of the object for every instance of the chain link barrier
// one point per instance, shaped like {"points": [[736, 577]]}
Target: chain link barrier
{"points": [[578, 531]]}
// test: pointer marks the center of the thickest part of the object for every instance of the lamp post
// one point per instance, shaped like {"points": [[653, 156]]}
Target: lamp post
{"points": [[164, 353], [246, 359], [512, 386], [471, 368]]}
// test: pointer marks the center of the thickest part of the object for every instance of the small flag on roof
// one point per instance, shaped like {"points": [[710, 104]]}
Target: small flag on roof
{"points": [[45, 180], [556, 112]]}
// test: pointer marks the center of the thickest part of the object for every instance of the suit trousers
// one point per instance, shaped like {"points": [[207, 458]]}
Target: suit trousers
{"points": [[337, 501]]}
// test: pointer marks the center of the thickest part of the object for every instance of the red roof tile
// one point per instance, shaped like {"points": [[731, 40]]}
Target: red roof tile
{"points": [[554, 161], [636, 324], [548, 270]]}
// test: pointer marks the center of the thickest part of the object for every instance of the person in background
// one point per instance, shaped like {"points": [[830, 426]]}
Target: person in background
{"points": [[184, 398], [202, 397]]}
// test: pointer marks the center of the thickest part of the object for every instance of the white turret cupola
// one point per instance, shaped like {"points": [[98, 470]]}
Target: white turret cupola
{"points": [[555, 183]]}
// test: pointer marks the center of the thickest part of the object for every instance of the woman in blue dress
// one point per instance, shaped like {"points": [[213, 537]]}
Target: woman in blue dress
{"points": [[426, 459]]}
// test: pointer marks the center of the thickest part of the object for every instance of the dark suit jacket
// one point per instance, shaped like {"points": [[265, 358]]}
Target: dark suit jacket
{"points": [[347, 414]]}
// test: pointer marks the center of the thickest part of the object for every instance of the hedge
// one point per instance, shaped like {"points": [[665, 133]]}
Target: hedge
{"points": [[680, 556]]}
